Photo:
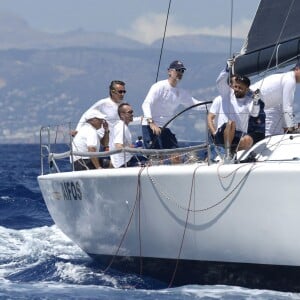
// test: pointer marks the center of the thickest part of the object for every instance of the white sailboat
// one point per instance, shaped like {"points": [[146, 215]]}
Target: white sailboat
{"points": [[199, 222]]}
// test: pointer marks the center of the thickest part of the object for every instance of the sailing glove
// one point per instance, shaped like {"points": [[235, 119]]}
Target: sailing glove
{"points": [[229, 64], [256, 96]]}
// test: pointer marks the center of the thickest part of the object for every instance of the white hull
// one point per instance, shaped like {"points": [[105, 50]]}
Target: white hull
{"points": [[238, 213], [257, 222]]}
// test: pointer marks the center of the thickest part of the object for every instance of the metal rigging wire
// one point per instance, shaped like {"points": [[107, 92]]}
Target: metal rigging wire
{"points": [[231, 25], [163, 40], [277, 42]]}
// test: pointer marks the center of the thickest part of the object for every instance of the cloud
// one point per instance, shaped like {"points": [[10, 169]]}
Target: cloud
{"points": [[150, 27]]}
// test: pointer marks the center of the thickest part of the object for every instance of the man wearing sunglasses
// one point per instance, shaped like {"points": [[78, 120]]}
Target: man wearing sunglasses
{"points": [[159, 106], [121, 138], [108, 106]]}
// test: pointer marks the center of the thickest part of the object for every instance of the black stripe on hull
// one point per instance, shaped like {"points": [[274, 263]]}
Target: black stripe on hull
{"points": [[258, 276]]}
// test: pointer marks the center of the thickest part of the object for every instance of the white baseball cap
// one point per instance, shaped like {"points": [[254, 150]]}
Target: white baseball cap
{"points": [[94, 113]]}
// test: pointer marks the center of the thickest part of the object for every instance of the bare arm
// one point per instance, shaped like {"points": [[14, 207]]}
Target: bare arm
{"points": [[105, 139], [156, 130], [94, 160], [210, 123], [119, 146], [222, 84]]}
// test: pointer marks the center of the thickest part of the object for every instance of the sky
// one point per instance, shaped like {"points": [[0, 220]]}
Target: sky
{"points": [[142, 20]]}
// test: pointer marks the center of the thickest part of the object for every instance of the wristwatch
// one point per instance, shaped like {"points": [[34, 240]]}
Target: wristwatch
{"points": [[149, 120]]}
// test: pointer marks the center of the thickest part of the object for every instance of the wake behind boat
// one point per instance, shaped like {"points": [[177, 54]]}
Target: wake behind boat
{"points": [[203, 221]]}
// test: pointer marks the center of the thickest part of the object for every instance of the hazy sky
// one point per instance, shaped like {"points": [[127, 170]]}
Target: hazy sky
{"points": [[142, 20]]}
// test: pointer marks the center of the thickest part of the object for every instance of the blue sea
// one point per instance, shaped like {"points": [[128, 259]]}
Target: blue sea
{"points": [[37, 261]]}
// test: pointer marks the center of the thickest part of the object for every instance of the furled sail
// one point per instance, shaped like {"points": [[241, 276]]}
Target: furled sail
{"points": [[273, 39]]}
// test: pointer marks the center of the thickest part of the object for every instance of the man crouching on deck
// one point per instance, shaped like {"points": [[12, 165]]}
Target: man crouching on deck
{"points": [[233, 108], [87, 140]]}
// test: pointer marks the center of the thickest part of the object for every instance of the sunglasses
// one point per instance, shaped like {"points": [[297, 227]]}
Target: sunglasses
{"points": [[180, 71], [129, 112], [120, 92]]}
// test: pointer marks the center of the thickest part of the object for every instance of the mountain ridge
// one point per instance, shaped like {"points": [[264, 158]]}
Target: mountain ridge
{"points": [[48, 79], [15, 33]]}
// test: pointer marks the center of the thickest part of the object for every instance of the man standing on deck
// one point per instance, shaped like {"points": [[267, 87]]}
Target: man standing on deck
{"points": [[108, 106], [159, 106], [277, 92]]}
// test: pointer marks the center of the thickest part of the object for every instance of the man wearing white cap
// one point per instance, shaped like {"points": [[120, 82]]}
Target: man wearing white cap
{"points": [[87, 140]]}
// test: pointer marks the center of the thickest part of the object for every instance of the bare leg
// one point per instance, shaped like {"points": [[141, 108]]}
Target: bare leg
{"points": [[228, 136], [175, 159], [245, 143]]}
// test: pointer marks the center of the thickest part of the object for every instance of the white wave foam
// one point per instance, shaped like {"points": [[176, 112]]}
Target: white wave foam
{"points": [[6, 198], [234, 292], [24, 249], [20, 249]]}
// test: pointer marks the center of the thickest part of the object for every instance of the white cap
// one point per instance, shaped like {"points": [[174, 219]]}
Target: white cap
{"points": [[94, 113]]}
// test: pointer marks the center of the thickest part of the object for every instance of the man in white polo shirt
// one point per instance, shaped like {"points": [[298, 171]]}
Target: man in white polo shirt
{"points": [[87, 140]]}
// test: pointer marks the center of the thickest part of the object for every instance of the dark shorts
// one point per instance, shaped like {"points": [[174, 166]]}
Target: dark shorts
{"points": [[86, 164], [166, 140], [219, 137], [136, 160], [256, 136], [83, 164]]}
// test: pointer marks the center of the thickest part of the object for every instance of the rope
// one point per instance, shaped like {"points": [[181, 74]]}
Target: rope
{"points": [[167, 197], [184, 231], [137, 199], [187, 217], [163, 41], [188, 211]]}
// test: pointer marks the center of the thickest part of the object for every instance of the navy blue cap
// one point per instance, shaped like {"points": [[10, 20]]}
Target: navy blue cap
{"points": [[177, 65]]}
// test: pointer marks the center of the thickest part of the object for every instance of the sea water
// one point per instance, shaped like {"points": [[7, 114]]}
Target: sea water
{"points": [[37, 261]]}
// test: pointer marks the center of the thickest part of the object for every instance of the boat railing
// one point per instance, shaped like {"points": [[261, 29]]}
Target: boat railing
{"points": [[190, 124], [56, 151], [156, 157]]}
